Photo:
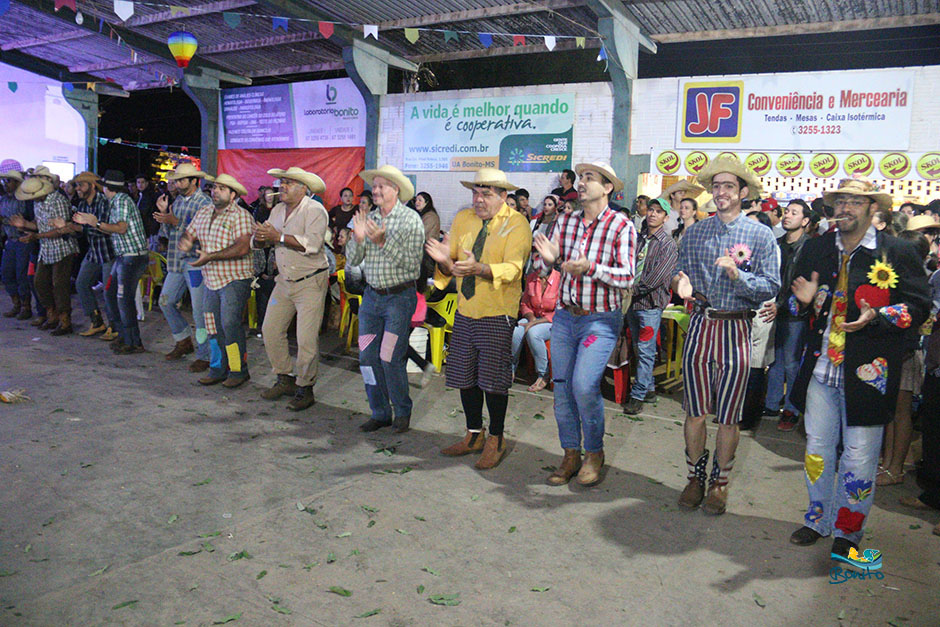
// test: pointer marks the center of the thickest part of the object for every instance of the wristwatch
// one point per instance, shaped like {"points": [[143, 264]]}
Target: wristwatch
{"points": [[282, 239]]}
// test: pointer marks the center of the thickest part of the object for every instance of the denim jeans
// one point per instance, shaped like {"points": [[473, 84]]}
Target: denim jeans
{"points": [[535, 338], [90, 273], [581, 348], [125, 275], [228, 354], [15, 266], [645, 348], [175, 284], [384, 326], [788, 348], [839, 502]]}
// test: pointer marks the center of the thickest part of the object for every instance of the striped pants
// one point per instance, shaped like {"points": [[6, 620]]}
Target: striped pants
{"points": [[715, 363]]}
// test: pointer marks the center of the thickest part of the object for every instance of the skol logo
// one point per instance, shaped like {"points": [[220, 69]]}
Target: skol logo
{"points": [[824, 164], [712, 112], [895, 165], [858, 163], [330, 94], [928, 166], [759, 163], [668, 162], [695, 161]]}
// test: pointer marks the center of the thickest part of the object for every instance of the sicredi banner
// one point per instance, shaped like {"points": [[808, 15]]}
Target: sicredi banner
{"points": [[312, 114], [799, 111], [514, 134]]}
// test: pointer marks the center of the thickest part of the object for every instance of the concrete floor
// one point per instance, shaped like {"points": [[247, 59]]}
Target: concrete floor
{"points": [[119, 466]]}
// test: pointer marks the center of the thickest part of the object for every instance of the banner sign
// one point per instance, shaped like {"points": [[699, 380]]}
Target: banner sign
{"points": [[877, 165], [799, 111], [312, 114], [514, 134]]}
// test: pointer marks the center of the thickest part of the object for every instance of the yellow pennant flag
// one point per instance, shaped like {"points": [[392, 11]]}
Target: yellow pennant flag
{"points": [[579, 41], [411, 34]]}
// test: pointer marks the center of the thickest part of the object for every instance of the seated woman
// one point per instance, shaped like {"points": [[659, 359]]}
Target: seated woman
{"points": [[535, 324]]}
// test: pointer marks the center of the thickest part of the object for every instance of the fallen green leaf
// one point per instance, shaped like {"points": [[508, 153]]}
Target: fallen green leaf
{"points": [[320, 525], [310, 566], [279, 609], [371, 510], [228, 619], [330, 558], [300, 506], [261, 574], [539, 417], [897, 621], [243, 554], [207, 547], [421, 518], [431, 571], [914, 527], [49, 522], [759, 600], [841, 615], [8, 573], [371, 523], [211, 534], [345, 534], [445, 599], [303, 456], [57, 410], [633, 418], [403, 532], [172, 519], [420, 589], [354, 552], [284, 566], [100, 571], [512, 530], [204, 482], [28, 548], [545, 589], [343, 592], [475, 497], [125, 604], [369, 613], [188, 553], [549, 468]]}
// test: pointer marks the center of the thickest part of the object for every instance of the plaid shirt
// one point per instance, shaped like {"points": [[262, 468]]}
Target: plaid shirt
{"points": [[54, 249], [824, 371], [218, 233], [399, 259], [184, 208], [651, 290], [134, 240], [100, 249], [10, 206], [707, 240], [609, 242]]}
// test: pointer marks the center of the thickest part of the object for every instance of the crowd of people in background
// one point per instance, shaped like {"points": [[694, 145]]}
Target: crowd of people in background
{"points": [[774, 290]]}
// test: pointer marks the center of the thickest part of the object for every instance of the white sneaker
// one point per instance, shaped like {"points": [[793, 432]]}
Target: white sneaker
{"points": [[426, 375]]}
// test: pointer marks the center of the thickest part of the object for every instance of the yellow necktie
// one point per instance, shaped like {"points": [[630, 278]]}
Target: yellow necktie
{"points": [[840, 304]]}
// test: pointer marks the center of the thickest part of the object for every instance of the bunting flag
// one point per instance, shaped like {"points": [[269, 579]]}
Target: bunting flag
{"points": [[370, 30], [450, 34], [13, 86], [124, 9], [326, 29], [4, 5], [518, 40], [176, 10], [602, 55], [550, 42], [79, 18], [279, 22], [65, 3], [579, 41], [68, 86], [486, 39], [411, 34], [232, 20]]}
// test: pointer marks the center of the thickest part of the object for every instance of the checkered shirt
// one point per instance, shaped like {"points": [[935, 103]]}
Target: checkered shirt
{"points": [[134, 240], [100, 249], [184, 208], [218, 234], [399, 259], [609, 242], [10, 206], [54, 249], [707, 240]]}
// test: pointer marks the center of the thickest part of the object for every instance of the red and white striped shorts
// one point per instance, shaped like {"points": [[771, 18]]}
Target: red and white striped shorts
{"points": [[716, 361]]}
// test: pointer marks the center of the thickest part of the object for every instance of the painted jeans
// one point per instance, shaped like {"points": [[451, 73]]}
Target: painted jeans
{"points": [[384, 326], [174, 286], [644, 325], [223, 309]]}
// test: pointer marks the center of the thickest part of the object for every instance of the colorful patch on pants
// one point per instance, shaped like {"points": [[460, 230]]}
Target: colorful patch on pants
{"points": [[210, 323], [815, 511], [857, 490], [848, 521], [368, 375], [201, 335], [647, 333], [875, 374], [389, 340], [365, 340], [234, 357], [589, 340], [897, 315], [814, 466], [215, 354]]}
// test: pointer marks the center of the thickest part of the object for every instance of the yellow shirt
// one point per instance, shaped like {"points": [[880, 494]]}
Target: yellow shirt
{"points": [[508, 242]]}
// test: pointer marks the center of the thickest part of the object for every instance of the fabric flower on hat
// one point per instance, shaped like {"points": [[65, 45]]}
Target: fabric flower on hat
{"points": [[883, 275], [741, 253], [897, 315]]}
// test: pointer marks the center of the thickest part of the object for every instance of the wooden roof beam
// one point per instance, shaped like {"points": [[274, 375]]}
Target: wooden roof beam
{"points": [[514, 10], [299, 69], [68, 35], [193, 11], [263, 42], [492, 51]]}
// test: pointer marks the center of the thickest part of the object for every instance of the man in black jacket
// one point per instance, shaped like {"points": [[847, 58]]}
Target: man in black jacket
{"points": [[866, 294]]}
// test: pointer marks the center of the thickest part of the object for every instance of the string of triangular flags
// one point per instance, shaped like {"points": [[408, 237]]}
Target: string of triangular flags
{"points": [[173, 149]]}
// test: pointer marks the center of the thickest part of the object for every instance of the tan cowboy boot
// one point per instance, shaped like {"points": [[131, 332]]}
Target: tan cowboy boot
{"points": [[17, 307], [471, 443], [717, 498], [52, 320], [590, 473], [65, 324], [570, 465], [183, 347], [494, 449], [694, 491]]}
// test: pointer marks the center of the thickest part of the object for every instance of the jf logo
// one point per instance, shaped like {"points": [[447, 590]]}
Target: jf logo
{"points": [[712, 112], [330, 94]]}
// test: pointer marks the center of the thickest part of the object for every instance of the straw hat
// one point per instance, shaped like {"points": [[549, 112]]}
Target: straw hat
{"points": [[731, 165], [229, 181], [41, 170], [691, 189], [603, 168], [490, 177], [187, 170], [859, 187], [313, 182], [34, 188], [921, 223], [406, 190], [13, 175]]}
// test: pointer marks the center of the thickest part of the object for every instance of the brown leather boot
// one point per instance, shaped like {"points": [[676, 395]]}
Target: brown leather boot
{"points": [[41, 319], [65, 324], [471, 443], [570, 465], [183, 347], [97, 326], [109, 335], [199, 365], [717, 499], [692, 495], [286, 384], [17, 306], [494, 449], [303, 398], [590, 473], [52, 320], [26, 311]]}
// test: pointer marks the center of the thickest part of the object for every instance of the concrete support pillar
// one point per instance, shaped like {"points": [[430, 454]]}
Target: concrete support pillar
{"points": [[203, 89], [86, 103]]}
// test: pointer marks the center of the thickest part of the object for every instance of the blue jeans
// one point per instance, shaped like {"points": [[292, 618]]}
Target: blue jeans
{"points": [[384, 325], [90, 273], [228, 354], [645, 349], [788, 348], [535, 338], [125, 275], [581, 348], [839, 503], [175, 285], [15, 266]]}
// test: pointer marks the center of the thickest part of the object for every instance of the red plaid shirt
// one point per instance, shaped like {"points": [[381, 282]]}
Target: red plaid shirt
{"points": [[219, 234], [609, 242]]}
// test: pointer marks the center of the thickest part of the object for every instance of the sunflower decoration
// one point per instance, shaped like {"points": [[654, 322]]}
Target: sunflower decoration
{"points": [[740, 253], [882, 275]]}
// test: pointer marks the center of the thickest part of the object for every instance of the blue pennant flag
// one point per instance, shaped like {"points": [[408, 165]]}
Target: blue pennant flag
{"points": [[486, 39], [279, 22]]}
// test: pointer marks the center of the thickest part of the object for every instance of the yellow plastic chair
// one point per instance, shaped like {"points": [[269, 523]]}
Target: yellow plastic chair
{"points": [[253, 310], [676, 326], [153, 277], [349, 319], [445, 308]]}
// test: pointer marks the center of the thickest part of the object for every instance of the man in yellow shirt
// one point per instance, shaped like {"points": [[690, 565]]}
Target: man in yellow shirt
{"points": [[486, 250]]}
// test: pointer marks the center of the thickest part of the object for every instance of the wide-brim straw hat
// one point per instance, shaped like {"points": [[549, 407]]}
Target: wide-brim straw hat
{"points": [[229, 181], [87, 177], [34, 187], [922, 222], [187, 170], [406, 190], [690, 189], [731, 165], [14, 175], [490, 177], [41, 170], [313, 182], [859, 187], [603, 168]]}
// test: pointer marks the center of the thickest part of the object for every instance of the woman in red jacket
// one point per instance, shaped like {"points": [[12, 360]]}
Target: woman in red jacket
{"points": [[535, 323]]}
